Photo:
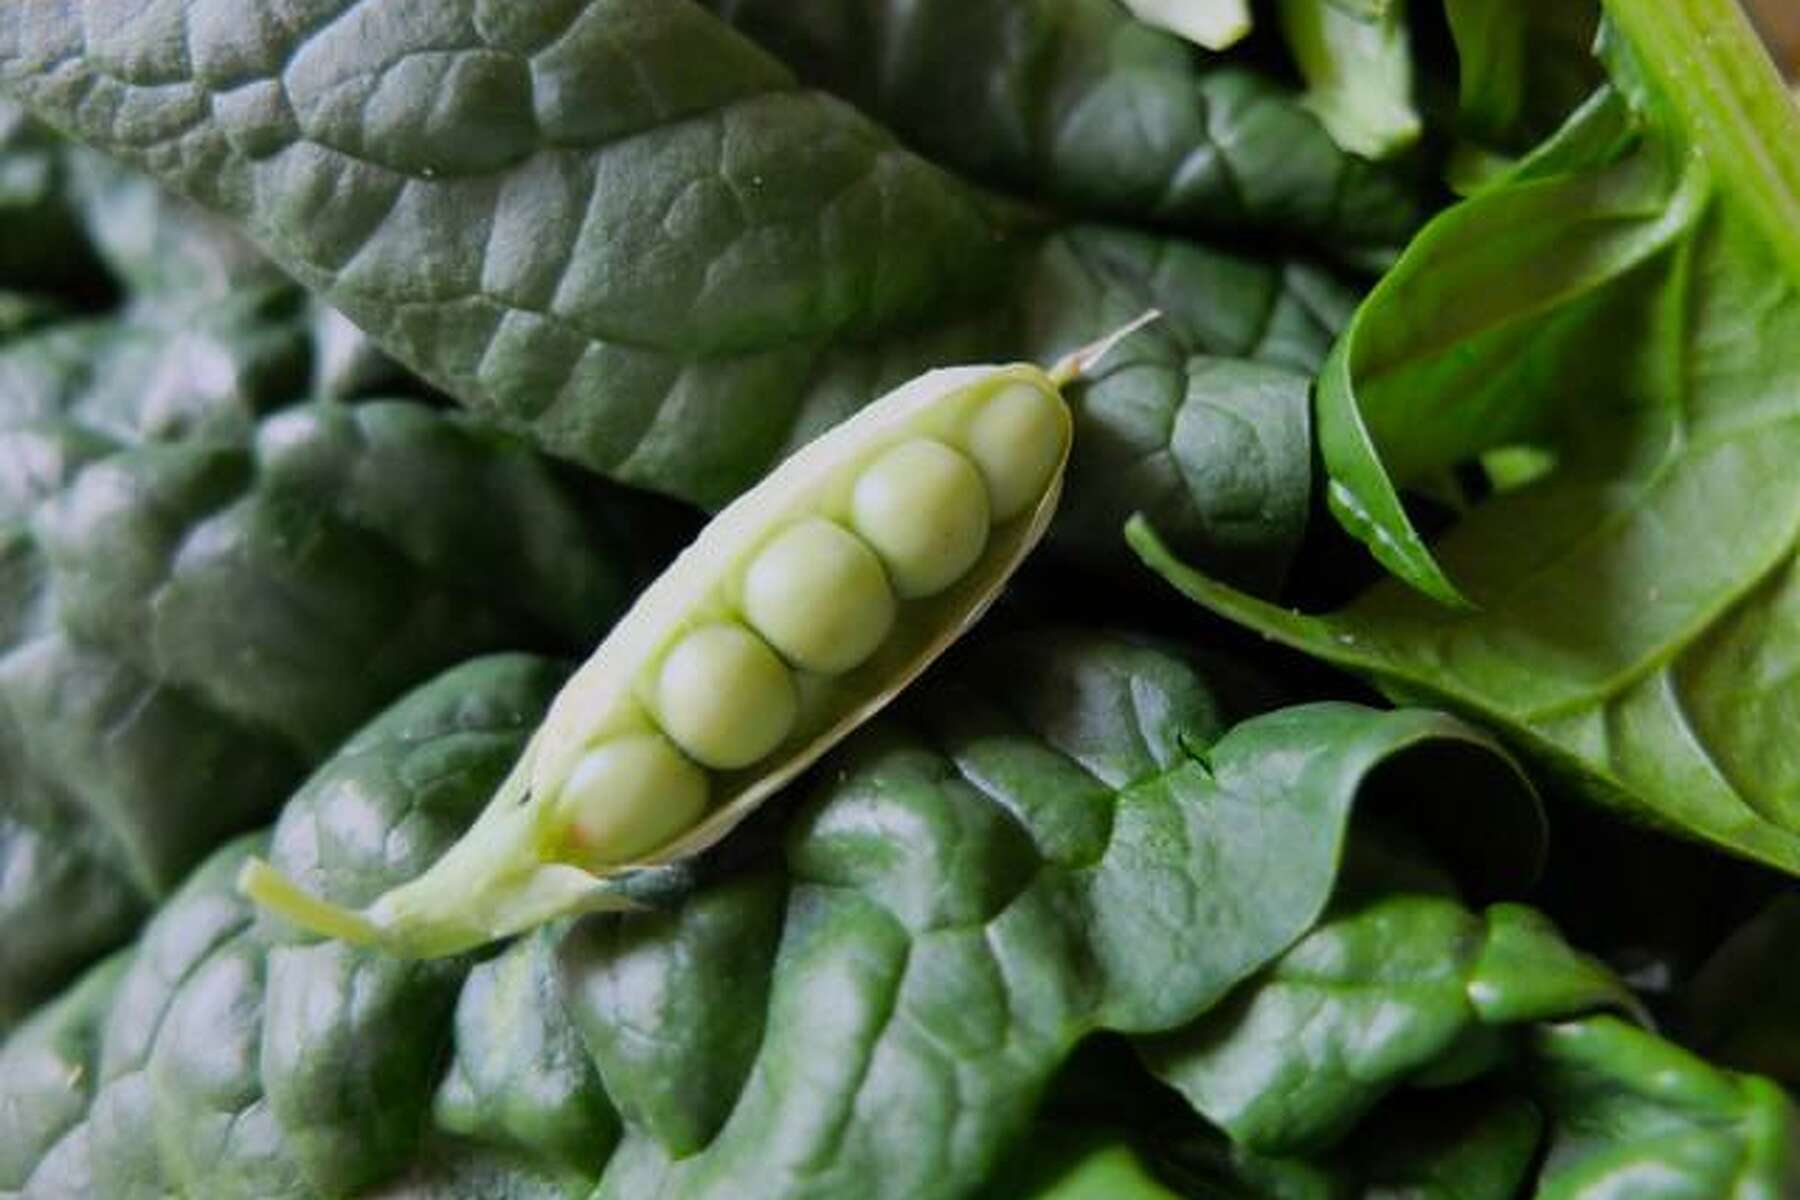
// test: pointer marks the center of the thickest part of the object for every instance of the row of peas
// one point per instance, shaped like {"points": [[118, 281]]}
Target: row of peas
{"points": [[818, 597]]}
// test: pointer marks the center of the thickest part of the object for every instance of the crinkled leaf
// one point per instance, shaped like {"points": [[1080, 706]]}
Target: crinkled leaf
{"points": [[1019, 860], [1631, 1114], [1075, 102], [1292, 1061], [1031, 853], [545, 211], [586, 253], [187, 624], [211, 375], [1476, 1143], [1401, 983], [533, 329], [199, 597], [1606, 1109], [448, 1169], [521, 1074], [47, 1066], [228, 1062], [672, 1006], [1219, 448], [1204, 418], [1062, 1162], [183, 268]]}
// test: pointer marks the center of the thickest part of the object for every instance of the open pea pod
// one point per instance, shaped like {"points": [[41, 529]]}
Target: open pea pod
{"points": [[799, 611]]}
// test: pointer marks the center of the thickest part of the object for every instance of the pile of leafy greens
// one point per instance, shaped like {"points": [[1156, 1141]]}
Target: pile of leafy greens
{"points": [[361, 359]]}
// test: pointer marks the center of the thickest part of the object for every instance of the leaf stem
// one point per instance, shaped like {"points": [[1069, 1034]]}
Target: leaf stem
{"points": [[1079, 363], [1732, 102]]}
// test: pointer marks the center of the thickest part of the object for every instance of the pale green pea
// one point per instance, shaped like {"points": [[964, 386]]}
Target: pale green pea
{"points": [[629, 795], [1016, 440], [820, 597], [924, 509], [724, 697]]}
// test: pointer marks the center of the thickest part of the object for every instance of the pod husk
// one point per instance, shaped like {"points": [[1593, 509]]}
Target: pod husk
{"points": [[510, 871]]}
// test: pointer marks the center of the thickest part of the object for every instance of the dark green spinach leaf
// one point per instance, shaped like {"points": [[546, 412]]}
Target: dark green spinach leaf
{"points": [[1475, 1143], [1073, 102], [1633, 1114], [1063, 835], [190, 621], [1401, 984], [676, 278]]}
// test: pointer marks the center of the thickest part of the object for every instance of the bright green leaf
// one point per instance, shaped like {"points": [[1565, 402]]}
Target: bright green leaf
{"points": [[1633, 295]]}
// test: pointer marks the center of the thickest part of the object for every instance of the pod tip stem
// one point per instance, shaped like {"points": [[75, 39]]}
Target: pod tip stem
{"points": [[282, 896], [1078, 363]]}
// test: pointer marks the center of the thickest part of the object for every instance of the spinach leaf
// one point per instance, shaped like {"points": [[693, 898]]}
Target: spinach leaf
{"points": [[548, 212], [1401, 994], [1204, 418], [590, 261], [180, 265], [1595, 1108], [1073, 1163], [521, 1074], [225, 1063], [1400, 984], [1472, 1143], [166, 270], [1061, 847], [1632, 297], [180, 559], [860, 1010], [1218, 448], [48, 1062], [200, 601], [1632, 1113], [1073, 102]]}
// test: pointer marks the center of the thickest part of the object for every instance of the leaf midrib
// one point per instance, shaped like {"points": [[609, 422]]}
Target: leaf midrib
{"points": [[1731, 102]]}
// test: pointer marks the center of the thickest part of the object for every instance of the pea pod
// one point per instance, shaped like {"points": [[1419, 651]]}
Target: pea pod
{"points": [[799, 611]]}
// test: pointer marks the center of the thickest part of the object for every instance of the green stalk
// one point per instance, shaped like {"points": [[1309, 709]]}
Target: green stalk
{"points": [[281, 895], [1732, 101]]}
